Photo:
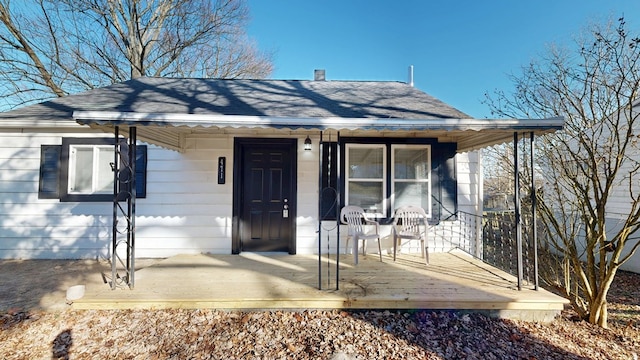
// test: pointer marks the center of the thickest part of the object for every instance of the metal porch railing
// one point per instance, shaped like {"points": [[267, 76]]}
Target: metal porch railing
{"points": [[458, 231], [491, 238], [500, 246]]}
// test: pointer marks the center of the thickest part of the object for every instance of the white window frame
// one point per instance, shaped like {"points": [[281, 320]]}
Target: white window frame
{"points": [[428, 181], [96, 151], [382, 180]]}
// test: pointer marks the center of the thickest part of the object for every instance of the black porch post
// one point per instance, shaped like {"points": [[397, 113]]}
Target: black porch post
{"points": [[338, 207], [124, 190], [534, 214], [516, 203], [114, 223], [133, 155], [320, 194]]}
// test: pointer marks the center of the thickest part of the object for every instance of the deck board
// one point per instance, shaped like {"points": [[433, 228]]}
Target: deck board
{"points": [[254, 281]]}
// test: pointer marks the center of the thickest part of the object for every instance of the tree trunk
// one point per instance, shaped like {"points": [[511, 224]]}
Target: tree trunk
{"points": [[598, 313]]}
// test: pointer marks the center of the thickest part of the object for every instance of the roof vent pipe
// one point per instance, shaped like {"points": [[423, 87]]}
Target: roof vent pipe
{"points": [[318, 75], [410, 75]]}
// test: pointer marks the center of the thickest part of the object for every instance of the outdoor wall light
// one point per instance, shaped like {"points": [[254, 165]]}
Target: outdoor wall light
{"points": [[307, 143]]}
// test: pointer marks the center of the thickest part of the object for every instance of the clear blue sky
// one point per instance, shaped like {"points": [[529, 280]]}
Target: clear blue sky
{"points": [[459, 49]]}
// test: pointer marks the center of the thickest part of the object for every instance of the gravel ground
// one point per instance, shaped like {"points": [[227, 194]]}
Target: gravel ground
{"points": [[27, 331]]}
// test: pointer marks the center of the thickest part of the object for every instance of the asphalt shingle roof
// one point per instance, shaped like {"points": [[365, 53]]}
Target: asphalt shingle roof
{"points": [[270, 98]]}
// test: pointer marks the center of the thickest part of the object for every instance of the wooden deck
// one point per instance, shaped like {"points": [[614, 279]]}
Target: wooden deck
{"points": [[257, 281]]}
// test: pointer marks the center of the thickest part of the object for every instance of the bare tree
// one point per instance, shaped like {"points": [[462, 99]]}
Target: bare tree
{"points": [[57, 47], [591, 201], [497, 167]]}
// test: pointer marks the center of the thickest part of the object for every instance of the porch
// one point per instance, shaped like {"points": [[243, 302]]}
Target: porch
{"points": [[251, 281]]}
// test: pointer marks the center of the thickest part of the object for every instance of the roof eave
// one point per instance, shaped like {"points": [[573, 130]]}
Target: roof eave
{"points": [[474, 133]]}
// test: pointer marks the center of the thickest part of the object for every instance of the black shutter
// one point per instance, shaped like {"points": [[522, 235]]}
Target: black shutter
{"points": [[444, 188], [329, 181], [141, 171], [49, 183]]}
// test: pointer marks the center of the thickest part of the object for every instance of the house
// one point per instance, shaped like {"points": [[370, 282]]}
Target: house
{"points": [[222, 165], [625, 189]]}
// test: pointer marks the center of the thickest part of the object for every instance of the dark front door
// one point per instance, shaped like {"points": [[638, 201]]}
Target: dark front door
{"points": [[265, 195]]}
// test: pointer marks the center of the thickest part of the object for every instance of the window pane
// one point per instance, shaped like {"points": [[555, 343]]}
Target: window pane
{"points": [[83, 170], [411, 164], [365, 163], [412, 193], [367, 195], [104, 182]]}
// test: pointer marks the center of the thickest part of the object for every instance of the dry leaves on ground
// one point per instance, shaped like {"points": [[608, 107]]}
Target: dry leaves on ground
{"points": [[215, 334]]}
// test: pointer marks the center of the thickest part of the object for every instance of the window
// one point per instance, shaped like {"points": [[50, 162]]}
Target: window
{"points": [[384, 174], [411, 176], [80, 170], [90, 169], [365, 177]]}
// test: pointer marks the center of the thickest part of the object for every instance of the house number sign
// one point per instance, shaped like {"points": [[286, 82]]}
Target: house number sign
{"points": [[221, 166]]}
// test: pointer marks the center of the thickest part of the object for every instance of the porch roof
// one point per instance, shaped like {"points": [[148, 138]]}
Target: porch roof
{"points": [[470, 134]]}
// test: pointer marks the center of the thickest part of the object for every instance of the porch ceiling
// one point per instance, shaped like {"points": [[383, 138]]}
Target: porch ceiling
{"points": [[168, 130]]}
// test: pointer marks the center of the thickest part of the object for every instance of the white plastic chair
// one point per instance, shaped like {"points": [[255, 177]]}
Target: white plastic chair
{"points": [[355, 218], [410, 222]]}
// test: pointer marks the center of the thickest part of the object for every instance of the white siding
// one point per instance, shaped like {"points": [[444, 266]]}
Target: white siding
{"points": [[39, 228], [308, 178], [628, 186], [468, 177], [619, 204], [185, 211], [464, 232]]}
